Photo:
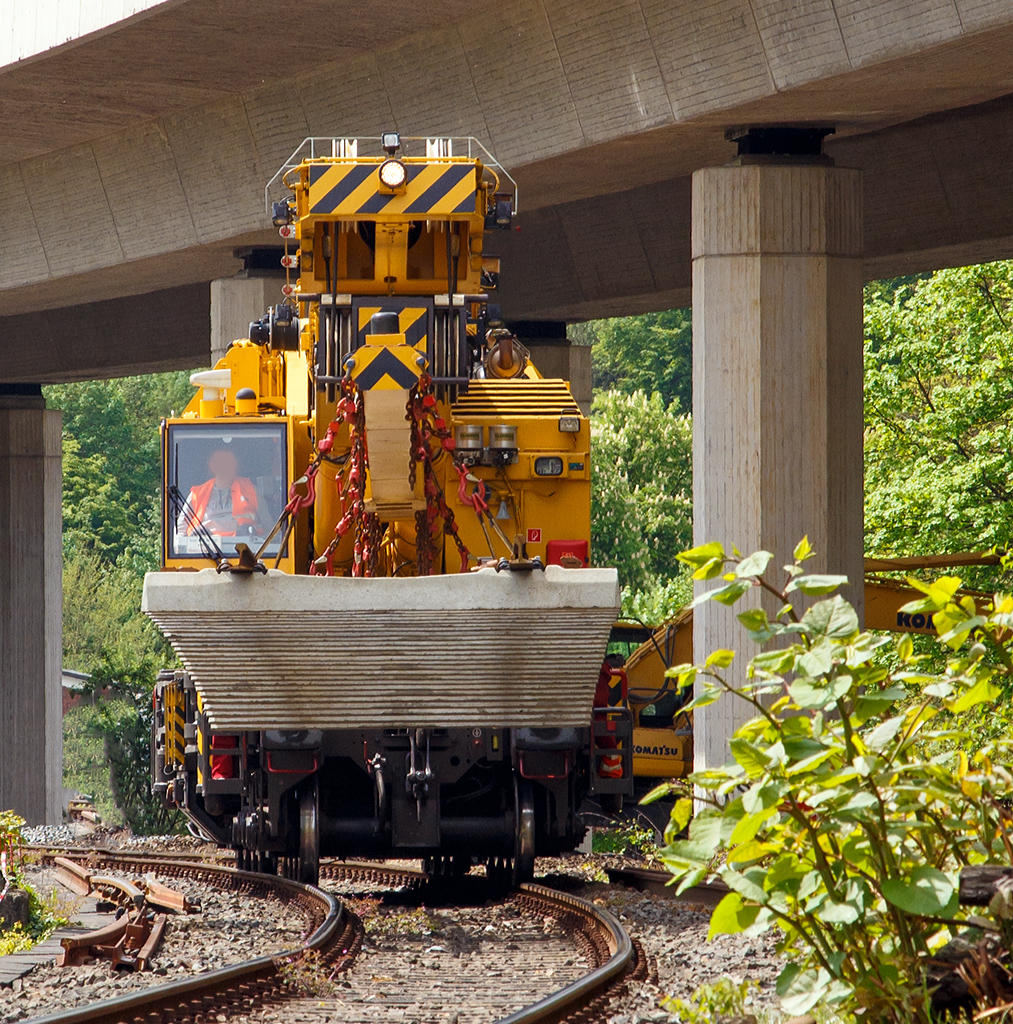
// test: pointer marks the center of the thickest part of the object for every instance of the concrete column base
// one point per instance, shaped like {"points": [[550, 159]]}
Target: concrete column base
{"points": [[777, 390], [31, 613], [569, 362], [235, 303], [556, 356]]}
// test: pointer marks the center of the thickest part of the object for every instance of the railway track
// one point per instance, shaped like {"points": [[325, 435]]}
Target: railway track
{"points": [[334, 941]]}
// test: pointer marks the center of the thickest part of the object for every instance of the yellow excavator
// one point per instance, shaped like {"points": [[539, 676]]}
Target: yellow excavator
{"points": [[663, 736]]}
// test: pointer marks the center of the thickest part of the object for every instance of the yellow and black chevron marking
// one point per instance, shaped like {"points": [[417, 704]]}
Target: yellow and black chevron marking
{"points": [[380, 368], [432, 190], [172, 709], [412, 320]]}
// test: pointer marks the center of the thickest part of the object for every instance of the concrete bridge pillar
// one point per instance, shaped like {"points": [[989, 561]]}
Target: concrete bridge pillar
{"points": [[777, 392], [31, 613], [556, 356], [235, 303]]}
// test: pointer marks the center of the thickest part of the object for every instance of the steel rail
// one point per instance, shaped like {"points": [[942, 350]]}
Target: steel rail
{"points": [[576, 996], [178, 997], [661, 883]]}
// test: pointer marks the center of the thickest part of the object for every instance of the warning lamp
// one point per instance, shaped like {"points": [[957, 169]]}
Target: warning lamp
{"points": [[281, 213], [391, 141], [246, 402], [569, 424], [287, 231], [393, 174]]}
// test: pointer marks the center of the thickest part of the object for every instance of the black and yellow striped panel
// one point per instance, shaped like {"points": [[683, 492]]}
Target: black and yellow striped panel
{"points": [[172, 710], [413, 322], [433, 190], [380, 368]]}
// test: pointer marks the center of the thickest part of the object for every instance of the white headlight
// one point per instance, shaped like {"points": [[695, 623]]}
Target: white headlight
{"points": [[393, 173]]}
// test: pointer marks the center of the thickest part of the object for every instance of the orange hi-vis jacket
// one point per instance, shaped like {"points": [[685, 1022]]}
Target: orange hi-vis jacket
{"points": [[244, 502]]}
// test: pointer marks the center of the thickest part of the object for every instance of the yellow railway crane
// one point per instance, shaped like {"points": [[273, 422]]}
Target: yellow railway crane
{"points": [[375, 545]]}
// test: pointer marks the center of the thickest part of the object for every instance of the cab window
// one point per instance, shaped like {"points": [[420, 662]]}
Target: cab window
{"points": [[225, 485]]}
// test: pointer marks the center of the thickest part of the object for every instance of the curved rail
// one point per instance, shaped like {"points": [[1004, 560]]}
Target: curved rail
{"points": [[239, 983], [610, 948], [578, 994]]}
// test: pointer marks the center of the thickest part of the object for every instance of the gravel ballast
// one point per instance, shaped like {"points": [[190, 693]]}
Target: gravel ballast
{"points": [[439, 965], [228, 929], [419, 975]]}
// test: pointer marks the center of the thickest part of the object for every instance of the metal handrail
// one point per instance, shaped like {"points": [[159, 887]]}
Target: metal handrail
{"points": [[313, 142]]}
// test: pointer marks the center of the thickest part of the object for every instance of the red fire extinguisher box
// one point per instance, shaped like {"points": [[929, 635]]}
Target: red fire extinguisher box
{"points": [[555, 550]]}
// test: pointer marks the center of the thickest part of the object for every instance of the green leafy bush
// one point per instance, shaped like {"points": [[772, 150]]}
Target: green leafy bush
{"points": [[42, 917], [620, 840], [939, 413], [718, 1001], [106, 635], [851, 803]]}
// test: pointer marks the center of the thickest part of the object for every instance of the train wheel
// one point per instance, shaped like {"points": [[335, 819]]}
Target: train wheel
{"points": [[524, 837], [309, 835], [497, 870]]}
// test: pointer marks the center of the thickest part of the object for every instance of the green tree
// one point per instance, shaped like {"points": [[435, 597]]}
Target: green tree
{"points": [[111, 521], [111, 459], [106, 635], [641, 487], [652, 353], [939, 411]]}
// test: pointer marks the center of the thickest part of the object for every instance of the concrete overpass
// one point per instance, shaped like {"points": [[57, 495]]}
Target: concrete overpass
{"points": [[133, 158], [134, 149]]}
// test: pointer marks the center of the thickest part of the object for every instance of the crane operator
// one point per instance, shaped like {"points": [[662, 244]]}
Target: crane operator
{"points": [[227, 504]]}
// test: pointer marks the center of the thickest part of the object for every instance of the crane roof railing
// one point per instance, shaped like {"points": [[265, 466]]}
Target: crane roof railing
{"points": [[327, 147]]}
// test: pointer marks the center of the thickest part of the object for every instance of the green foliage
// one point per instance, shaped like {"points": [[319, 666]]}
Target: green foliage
{"points": [[713, 1003], [641, 487], [652, 353], [11, 841], [111, 459], [939, 412], [125, 727], [111, 521], [850, 805], [85, 768], [660, 602], [628, 837], [105, 634], [642, 455], [42, 918]]}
